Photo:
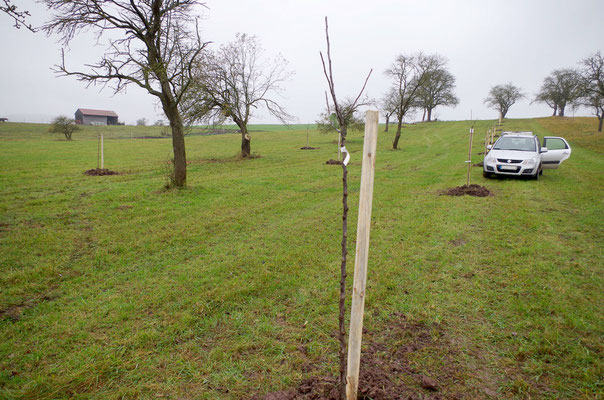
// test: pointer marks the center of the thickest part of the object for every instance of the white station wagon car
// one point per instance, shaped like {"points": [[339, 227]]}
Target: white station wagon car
{"points": [[521, 154]]}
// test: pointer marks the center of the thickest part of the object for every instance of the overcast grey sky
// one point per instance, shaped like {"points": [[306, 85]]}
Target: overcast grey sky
{"points": [[487, 42]]}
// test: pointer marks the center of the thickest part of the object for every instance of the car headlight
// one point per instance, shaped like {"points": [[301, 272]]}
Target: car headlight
{"points": [[530, 161]]}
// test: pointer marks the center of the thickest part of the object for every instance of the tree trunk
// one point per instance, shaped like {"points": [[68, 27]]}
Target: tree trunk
{"points": [[600, 124], [398, 134], [387, 121], [561, 110], [424, 115], [342, 302], [170, 107], [502, 114], [429, 114], [555, 110], [246, 142], [178, 145]]}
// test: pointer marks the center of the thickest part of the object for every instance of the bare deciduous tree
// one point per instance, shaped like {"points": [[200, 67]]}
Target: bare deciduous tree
{"points": [[437, 88], [408, 73], [593, 85], [388, 107], [236, 80], [561, 88], [155, 49], [342, 115], [19, 16], [502, 97]]}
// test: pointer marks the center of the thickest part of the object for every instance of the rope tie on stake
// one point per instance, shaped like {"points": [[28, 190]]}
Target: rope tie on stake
{"points": [[343, 150]]}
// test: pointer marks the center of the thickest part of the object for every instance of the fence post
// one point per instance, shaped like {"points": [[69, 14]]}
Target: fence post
{"points": [[102, 153], [361, 255]]}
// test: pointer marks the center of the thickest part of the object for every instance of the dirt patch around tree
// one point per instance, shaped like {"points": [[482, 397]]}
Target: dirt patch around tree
{"points": [[394, 366], [100, 172], [472, 190], [333, 162], [308, 148]]}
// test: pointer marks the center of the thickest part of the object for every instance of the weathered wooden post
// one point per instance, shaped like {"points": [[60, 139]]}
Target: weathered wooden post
{"points": [[361, 255], [307, 128], [102, 152]]}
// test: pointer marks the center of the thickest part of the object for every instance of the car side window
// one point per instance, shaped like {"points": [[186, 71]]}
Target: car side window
{"points": [[554, 144]]}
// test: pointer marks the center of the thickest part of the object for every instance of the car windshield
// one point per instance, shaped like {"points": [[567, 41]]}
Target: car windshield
{"points": [[516, 143]]}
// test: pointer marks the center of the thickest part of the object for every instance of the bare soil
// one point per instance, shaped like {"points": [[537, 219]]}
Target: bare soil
{"points": [[389, 369], [480, 164], [333, 162], [472, 190], [308, 148], [100, 172]]}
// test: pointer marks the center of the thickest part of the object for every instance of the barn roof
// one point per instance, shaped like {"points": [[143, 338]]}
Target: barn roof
{"points": [[99, 113]]}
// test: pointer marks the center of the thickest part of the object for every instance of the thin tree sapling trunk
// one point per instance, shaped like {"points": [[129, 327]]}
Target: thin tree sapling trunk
{"points": [[342, 130], [342, 301]]}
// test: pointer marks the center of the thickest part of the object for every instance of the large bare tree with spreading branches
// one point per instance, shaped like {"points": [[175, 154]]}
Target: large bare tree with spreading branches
{"points": [[234, 81], [502, 97], [561, 88], [438, 86], [341, 121], [152, 44], [18, 15], [408, 73], [592, 86]]}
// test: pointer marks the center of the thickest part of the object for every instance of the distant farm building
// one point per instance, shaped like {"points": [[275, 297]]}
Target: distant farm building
{"points": [[84, 116]]}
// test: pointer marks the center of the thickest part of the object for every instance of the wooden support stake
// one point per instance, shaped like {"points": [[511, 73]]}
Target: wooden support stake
{"points": [[470, 157], [361, 255], [102, 153]]}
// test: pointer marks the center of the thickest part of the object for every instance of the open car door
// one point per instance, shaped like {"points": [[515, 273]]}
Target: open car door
{"points": [[558, 150]]}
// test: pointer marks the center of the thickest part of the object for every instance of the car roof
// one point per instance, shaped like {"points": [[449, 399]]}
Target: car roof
{"points": [[511, 133]]}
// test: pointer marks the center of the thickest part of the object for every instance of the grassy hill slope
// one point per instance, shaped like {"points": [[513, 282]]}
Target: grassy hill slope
{"points": [[111, 287]]}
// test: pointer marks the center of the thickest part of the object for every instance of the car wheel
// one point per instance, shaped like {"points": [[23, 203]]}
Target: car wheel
{"points": [[486, 174]]}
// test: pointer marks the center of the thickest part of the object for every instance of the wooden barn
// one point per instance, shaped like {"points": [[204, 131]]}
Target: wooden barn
{"points": [[85, 116]]}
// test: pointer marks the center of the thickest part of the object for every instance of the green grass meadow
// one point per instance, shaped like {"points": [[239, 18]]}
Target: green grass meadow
{"points": [[112, 287]]}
